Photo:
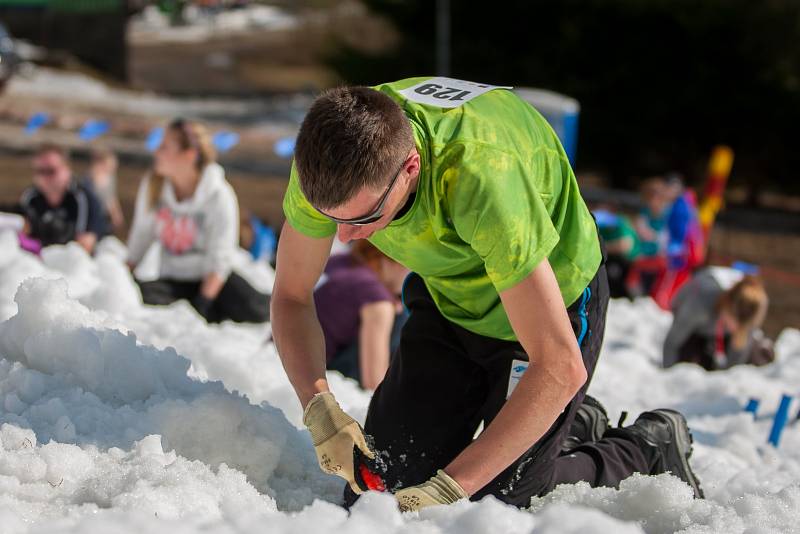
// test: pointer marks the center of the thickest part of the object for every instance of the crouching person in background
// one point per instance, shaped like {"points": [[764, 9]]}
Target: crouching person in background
{"points": [[717, 325], [359, 309], [191, 210]]}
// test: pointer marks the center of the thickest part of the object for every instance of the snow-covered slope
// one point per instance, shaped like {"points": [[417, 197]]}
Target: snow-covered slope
{"points": [[119, 417]]}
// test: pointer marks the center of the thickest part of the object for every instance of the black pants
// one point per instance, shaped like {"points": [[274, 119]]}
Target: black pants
{"points": [[237, 301], [444, 381], [617, 268]]}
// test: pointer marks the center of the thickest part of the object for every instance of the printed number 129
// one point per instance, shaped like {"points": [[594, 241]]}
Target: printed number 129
{"points": [[444, 93]]}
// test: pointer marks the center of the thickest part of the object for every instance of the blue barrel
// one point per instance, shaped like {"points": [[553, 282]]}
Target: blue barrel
{"points": [[560, 111]]}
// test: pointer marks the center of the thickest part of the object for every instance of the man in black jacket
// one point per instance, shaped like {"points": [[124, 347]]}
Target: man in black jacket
{"points": [[56, 209]]}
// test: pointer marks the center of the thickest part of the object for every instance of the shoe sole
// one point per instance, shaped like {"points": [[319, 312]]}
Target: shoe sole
{"points": [[683, 439]]}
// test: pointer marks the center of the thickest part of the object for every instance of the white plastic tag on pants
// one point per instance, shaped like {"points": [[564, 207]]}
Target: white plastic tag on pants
{"points": [[518, 368]]}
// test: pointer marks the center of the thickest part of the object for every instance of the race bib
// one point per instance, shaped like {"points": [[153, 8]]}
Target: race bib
{"points": [[518, 368], [446, 92]]}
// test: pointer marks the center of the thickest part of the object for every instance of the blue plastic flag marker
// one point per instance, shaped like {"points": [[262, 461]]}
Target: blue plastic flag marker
{"points": [[264, 240], [36, 121], [780, 421], [284, 147], [92, 129], [744, 267], [752, 407], [224, 141], [154, 139], [605, 218]]}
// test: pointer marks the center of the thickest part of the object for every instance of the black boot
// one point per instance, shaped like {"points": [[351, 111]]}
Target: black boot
{"points": [[589, 425], [667, 442]]}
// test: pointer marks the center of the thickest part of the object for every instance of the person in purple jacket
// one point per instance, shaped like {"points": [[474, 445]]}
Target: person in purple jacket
{"points": [[360, 312]]}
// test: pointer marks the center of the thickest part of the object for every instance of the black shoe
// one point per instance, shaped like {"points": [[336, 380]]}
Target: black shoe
{"points": [[666, 434], [589, 425]]}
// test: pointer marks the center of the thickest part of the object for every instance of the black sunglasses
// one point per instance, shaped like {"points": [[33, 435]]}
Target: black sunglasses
{"points": [[375, 214], [45, 171]]}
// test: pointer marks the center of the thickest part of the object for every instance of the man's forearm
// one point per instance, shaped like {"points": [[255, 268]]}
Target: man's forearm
{"points": [[556, 372], [301, 346], [536, 403]]}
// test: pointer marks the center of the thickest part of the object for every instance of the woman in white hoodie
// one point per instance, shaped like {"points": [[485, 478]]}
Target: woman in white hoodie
{"points": [[188, 206]]}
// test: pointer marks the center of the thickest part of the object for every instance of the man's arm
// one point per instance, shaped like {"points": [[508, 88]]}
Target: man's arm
{"points": [[295, 327], [556, 372]]}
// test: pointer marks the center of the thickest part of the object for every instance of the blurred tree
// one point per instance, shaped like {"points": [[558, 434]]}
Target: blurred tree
{"points": [[659, 81]]}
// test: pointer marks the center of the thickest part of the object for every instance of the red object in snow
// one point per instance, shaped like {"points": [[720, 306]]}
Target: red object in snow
{"points": [[372, 480]]}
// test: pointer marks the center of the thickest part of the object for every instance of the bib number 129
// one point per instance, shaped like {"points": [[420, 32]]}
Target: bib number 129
{"points": [[446, 92]]}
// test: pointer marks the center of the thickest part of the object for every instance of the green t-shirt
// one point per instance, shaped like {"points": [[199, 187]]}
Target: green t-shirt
{"points": [[495, 196]]}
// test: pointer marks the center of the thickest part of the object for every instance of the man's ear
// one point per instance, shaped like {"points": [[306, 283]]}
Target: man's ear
{"points": [[414, 164]]}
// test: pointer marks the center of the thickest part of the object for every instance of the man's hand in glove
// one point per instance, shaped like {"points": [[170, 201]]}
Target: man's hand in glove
{"points": [[334, 434], [440, 489]]}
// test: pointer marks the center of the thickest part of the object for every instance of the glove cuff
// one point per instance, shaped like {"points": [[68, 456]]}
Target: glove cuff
{"points": [[324, 417], [448, 487]]}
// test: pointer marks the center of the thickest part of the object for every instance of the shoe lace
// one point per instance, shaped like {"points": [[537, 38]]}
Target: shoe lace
{"points": [[622, 417]]}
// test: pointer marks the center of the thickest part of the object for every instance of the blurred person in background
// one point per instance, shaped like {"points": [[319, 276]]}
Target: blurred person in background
{"points": [[257, 237], [102, 180], [651, 229], [187, 205], [56, 209], [622, 247], [359, 309], [716, 324], [684, 250]]}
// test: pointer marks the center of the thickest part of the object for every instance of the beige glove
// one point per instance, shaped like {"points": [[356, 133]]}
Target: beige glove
{"points": [[334, 434], [440, 489]]}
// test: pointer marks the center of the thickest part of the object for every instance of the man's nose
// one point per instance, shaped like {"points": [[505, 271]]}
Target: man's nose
{"points": [[348, 232]]}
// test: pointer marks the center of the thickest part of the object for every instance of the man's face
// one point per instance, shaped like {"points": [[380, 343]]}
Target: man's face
{"points": [[366, 200], [51, 175]]}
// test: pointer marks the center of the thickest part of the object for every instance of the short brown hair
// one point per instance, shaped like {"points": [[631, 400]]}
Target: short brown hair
{"points": [[52, 148], [351, 138], [652, 187], [103, 155]]}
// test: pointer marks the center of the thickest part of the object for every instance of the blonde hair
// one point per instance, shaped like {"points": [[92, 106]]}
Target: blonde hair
{"points": [[191, 135], [746, 302]]}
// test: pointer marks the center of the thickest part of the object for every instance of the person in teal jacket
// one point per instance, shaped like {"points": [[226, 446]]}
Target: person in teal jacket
{"points": [[467, 186]]}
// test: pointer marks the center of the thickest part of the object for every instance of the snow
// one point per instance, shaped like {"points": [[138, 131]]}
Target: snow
{"points": [[119, 417], [202, 25], [75, 88]]}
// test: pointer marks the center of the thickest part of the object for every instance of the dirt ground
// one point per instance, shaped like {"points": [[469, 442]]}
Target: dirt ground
{"points": [[778, 255]]}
